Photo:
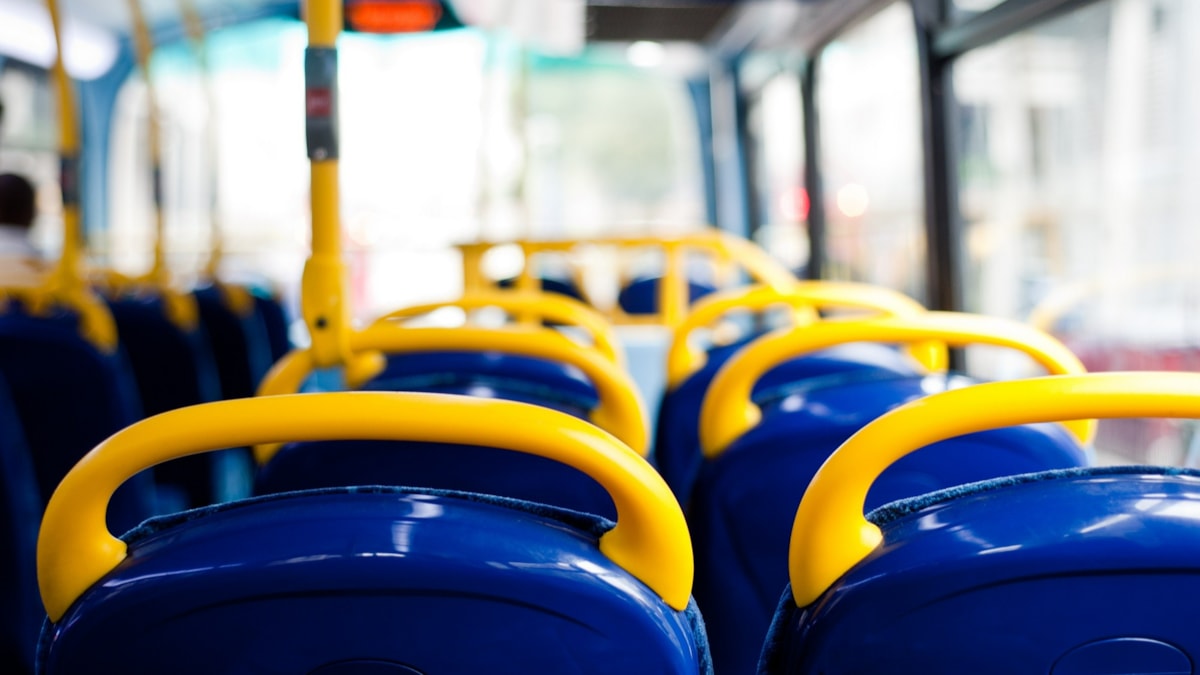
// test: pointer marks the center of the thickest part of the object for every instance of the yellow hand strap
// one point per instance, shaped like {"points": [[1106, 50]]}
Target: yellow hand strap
{"points": [[727, 411], [830, 534], [684, 357], [540, 306], [75, 549], [96, 323], [619, 411]]}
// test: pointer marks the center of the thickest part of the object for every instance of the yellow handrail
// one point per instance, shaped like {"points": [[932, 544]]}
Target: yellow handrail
{"points": [[65, 285], [685, 358], [76, 550], [728, 412], [541, 306], [619, 411], [830, 534], [725, 248]]}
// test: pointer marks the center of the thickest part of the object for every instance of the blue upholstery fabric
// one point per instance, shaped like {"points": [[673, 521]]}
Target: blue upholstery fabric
{"points": [[744, 501], [558, 285], [677, 438], [275, 320], [1063, 572], [490, 375], [240, 344], [173, 369], [435, 581], [302, 466], [640, 296], [20, 515], [69, 396]]}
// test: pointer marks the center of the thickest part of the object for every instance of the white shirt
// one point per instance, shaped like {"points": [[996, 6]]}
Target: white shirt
{"points": [[20, 263]]}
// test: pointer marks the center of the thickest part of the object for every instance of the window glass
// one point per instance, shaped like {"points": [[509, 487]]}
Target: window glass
{"points": [[775, 121], [445, 138], [868, 98], [29, 144], [967, 8], [1079, 165]]}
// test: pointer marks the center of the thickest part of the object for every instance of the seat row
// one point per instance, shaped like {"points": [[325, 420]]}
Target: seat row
{"points": [[336, 568]]}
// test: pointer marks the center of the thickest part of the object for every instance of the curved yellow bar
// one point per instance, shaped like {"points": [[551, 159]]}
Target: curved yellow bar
{"points": [[619, 411], [75, 549], [181, 308], [544, 306], [96, 323], [830, 534], [684, 358], [727, 411]]}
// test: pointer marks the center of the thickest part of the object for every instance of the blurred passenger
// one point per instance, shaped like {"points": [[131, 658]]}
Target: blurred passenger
{"points": [[20, 263]]}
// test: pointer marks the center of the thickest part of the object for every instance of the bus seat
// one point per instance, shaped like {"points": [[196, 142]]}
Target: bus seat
{"points": [[69, 396], [691, 369], [747, 490], [240, 343], [559, 285], [20, 514], [275, 320], [523, 364], [561, 387], [174, 368], [640, 296], [378, 579], [1087, 570], [677, 436]]}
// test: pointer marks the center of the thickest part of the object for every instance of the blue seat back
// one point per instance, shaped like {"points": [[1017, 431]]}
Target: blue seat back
{"points": [[173, 368], [677, 437], [301, 466], [240, 344], [1066, 573], [745, 500], [69, 396], [640, 296], [559, 285], [275, 320], [373, 581], [20, 513]]}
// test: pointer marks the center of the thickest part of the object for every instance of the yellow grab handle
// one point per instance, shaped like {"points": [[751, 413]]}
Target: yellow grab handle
{"points": [[96, 323], [728, 412], [830, 534], [75, 549], [685, 358], [546, 306], [619, 411]]}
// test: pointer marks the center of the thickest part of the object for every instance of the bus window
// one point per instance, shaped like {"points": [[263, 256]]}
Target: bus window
{"points": [[775, 121], [1078, 166], [28, 143], [612, 145], [870, 117]]}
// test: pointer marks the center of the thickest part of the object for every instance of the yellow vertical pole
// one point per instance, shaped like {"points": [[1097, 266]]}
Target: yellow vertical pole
{"points": [[195, 30], [69, 273], [673, 287], [144, 45], [323, 286]]}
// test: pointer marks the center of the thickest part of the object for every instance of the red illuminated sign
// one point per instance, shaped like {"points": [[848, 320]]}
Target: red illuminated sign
{"points": [[398, 16]]}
